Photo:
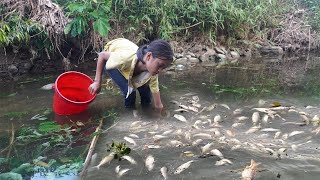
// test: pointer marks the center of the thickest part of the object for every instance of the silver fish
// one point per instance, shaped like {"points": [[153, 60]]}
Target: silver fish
{"points": [[225, 106], [164, 171], [216, 152], [122, 172], [255, 118], [133, 136], [106, 159], [217, 119], [206, 148], [117, 169], [180, 117], [269, 130], [250, 171], [130, 159], [149, 162], [130, 140], [223, 162], [293, 133], [183, 167], [48, 86]]}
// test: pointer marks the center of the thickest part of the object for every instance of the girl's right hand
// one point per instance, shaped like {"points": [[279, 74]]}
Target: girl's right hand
{"points": [[94, 88]]}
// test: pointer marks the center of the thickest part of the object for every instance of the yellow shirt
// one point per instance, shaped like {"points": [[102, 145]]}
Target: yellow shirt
{"points": [[123, 57]]}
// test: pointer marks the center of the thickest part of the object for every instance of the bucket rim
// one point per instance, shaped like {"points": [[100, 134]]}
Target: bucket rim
{"points": [[75, 102]]}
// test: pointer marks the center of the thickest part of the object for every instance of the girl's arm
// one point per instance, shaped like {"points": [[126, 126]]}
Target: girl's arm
{"points": [[157, 101], [96, 85]]}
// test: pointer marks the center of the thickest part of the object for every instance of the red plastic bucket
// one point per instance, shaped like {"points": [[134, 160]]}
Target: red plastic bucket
{"points": [[71, 93]]}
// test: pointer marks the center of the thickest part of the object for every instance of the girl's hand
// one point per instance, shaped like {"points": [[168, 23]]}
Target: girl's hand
{"points": [[94, 88]]}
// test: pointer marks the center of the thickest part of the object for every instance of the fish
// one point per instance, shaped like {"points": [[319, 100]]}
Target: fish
{"points": [[237, 111], [216, 152], [265, 118], [196, 142], [130, 159], [130, 140], [269, 150], [316, 131], [293, 133], [242, 118], [106, 160], [167, 132], [269, 130], [211, 107], [217, 119], [180, 117], [250, 171], [231, 133], [181, 110], [225, 106], [276, 135], [255, 118], [176, 143], [223, 162], [48, 86], [234, 125], [151, 146], [164, 172], [149, 162], [159, 137], [134, 123], [206, 148], [122, 172], [253, 129], [202, 135], [117, 169], [133, 136], [183, 167]]}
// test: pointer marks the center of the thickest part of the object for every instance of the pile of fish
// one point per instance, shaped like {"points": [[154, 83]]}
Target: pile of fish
{"points": [[274, 132]]}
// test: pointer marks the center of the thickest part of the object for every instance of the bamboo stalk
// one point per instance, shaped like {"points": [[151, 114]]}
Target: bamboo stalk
{"points": [[90, 151]]}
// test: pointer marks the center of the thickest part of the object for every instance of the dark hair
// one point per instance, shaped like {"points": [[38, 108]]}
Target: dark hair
{"points": [[159, 48]]}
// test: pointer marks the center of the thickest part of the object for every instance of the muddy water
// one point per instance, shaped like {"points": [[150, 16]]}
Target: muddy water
{"points": [[292, 82]]}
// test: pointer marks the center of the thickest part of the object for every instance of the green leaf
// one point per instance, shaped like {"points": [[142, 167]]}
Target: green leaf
{"points": [[67, 29], [11, 176], [102, 26]]}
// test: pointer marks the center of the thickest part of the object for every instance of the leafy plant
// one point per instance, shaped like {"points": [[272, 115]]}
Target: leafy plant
{"points": [[88, 15], [119, 149]]}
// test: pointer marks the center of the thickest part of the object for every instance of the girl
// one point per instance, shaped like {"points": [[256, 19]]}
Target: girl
{"points": [[131, 68]]}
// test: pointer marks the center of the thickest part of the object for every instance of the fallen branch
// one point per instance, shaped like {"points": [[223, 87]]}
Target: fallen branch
{"points": [[90, 151]]}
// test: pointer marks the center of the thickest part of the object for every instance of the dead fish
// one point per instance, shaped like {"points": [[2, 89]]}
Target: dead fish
{"points": [[134, 123], [269, 130], [255, 117], [285, 136], [151, 146], [117, 169], [194, 109], [217, 119], [211, 107], [235, 147], [265, 119], [135, 113], [159, 137], [202, 135], [47, 86], [122, 172], [231, 133], [223, 162], [133, 136], [181, 110], [164, 172], [180, 117], [261, 102], [269, 150], [295, 147], [206, 148], [293, 133], [250, 171], [130, 140], [311, 107], [253, 129], [105, 160], [237, 111], [216, 152], [130, 159], [196, 142], [149, 162], [276, 135], [167, 132], [183, 167], [176, 143], [225, 106], [242, 118], [234, 125]]}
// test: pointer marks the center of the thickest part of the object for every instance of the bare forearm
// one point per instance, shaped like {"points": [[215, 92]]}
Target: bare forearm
{"points": [[103, 57], [157, 100]]}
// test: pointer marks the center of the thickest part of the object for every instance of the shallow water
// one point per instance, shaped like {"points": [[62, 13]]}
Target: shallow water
{"points": [[293, 83]]}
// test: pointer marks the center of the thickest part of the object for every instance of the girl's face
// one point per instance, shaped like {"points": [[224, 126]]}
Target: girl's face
{"points": [[155, 65]]}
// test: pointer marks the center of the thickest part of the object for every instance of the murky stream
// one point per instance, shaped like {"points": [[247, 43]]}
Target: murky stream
{"points": [[289, 82]]}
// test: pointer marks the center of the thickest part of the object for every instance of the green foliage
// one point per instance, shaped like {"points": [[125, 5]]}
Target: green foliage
{"points": [[120, 149], [88, 15], [49, 126], [15, 115], [17, 30], [167, 19]]}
